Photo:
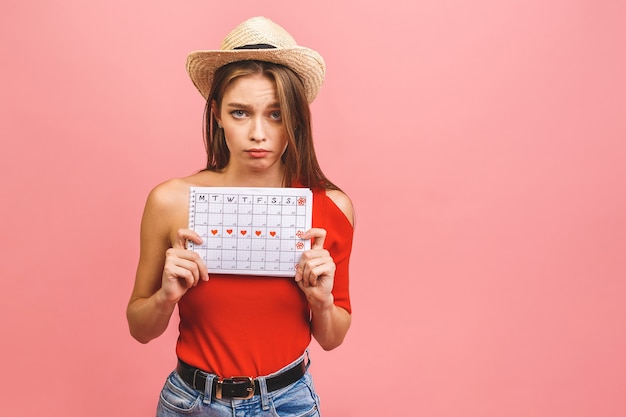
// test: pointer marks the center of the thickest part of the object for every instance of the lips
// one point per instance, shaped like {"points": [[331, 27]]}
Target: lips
{"points": [[258, 153]]}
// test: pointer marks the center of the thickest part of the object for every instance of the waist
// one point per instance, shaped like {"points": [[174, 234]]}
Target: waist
{"points": [[240, 387], [276, 333]]}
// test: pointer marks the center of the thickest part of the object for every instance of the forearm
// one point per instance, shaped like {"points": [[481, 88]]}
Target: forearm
{"points": [[149, 317], [329, 324]]}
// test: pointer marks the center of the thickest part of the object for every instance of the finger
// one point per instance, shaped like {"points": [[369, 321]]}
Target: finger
{"points": [[301, 285], [198, 261], [318, 235], [181, 267], [298, 276], [302, 268], [301, 275], [194, 257], [183, 236], [180, 273], [315, 268], [308, 260], [316, 273], [204, 271], [307, 278]]}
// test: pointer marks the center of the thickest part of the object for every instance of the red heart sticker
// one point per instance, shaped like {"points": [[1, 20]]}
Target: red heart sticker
{"points": [[258, 233], [229, 231], [243, 232], [273, 234], [214, 231]]}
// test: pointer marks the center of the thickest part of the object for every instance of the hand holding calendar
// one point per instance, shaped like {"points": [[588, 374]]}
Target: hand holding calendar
{"points": [[316, 271], [183, 269]]}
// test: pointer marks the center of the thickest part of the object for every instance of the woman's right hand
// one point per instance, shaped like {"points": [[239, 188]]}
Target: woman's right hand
{"points": [[183, 268]]}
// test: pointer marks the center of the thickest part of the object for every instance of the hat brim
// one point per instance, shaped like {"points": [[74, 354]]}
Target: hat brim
{"points": [[306, 63]]}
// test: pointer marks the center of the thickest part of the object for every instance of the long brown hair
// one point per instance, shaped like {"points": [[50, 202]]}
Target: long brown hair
{"points": [[300, 161]]}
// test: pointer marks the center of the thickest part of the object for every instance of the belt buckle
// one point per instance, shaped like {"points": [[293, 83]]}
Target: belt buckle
{"points": [[234, 382]]}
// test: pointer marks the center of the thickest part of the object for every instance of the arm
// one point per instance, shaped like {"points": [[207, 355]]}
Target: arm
{"points": [[166, 269], [315, 277], [329, 324]]}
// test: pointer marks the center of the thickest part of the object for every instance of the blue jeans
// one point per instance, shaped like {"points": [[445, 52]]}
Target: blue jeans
{"points": [[296, 400]]}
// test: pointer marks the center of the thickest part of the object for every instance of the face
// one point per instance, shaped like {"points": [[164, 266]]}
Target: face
{"points": [[251, 118]]}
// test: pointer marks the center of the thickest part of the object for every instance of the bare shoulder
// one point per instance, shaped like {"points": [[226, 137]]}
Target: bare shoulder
{"points": [[169, 195], [174, 193], [344, 203]]}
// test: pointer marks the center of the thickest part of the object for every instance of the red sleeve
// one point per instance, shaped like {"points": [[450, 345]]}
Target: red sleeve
{"points": [[339, 233]]}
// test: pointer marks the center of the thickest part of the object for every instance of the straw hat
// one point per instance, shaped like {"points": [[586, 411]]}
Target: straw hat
{"points": [[258, 39]]}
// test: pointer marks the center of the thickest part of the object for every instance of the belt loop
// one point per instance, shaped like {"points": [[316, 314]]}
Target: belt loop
{"points": [[208, 389], [265, 397]]}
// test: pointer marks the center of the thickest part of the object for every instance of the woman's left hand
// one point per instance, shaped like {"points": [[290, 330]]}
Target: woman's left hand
{"points": [[315, 274]]}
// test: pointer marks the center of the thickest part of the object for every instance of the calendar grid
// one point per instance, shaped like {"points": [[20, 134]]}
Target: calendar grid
{"points": [[250, 231]]}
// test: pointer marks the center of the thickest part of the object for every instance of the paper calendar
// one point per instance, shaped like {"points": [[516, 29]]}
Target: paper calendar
{"points": [[250, 231]]}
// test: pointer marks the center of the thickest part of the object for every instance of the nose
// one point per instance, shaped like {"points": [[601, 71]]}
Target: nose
{"points": [[258, 129]]}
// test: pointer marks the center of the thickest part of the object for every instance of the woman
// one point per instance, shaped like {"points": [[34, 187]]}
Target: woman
{"points": [[243, 339]]}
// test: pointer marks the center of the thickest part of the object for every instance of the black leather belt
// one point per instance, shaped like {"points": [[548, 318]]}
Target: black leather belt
{"points": [[239, 387]]}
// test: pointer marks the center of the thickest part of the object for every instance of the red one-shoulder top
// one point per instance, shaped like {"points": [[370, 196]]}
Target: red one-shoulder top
{"points": [[242, 325]]}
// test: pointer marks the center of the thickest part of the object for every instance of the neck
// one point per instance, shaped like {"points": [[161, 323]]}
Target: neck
{"points": [[232, 177]]}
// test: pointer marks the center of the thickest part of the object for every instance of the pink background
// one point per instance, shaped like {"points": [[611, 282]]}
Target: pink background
{"points": [[483, 145]]}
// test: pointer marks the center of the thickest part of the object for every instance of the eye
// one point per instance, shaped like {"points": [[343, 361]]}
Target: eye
{"points": [[238, 114], [275, 115]]}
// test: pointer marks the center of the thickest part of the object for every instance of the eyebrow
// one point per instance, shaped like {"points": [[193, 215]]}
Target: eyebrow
{"points": [[247, 107]]}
